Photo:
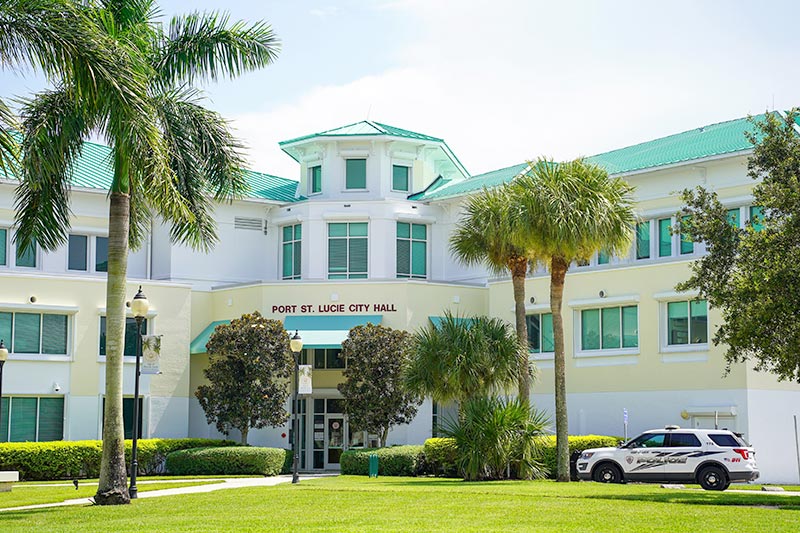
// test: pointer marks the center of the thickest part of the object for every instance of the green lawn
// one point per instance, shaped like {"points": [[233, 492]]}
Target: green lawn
{"points": [[33, 493], [425, 504]]}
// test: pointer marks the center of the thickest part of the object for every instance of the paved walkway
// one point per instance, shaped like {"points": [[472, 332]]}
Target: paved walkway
{"points": [[224, 483]]}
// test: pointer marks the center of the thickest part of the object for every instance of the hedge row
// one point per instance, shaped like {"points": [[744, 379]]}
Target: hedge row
{"points": [[39, 461], [394, 461], [230, 460], [438, 456]]}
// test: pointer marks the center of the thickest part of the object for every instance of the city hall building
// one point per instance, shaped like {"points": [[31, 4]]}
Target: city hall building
{"points": [[361, 234]]}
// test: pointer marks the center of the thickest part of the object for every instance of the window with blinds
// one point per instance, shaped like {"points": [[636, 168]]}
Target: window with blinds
{"points": [[355, 174], [3, 247], [291, 251], [130, 335], [412, 244], [28, 257], [32, 419], [347, 250], [315, 179], [34, 333], [400, 176]]}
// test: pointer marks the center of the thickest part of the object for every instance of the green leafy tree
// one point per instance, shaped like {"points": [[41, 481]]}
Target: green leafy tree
{"points": [[463, 358], [375, 396], [571, 210], [498, 439], [488, 234], [249, 371], [171, 158], [752, 274]]}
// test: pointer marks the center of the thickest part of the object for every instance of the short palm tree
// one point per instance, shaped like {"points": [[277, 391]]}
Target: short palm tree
{"points": [[488, 235], [572, 210], [171, 160], [463, 358]]}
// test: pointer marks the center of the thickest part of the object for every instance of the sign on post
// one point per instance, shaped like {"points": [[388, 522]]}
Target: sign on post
{"points": [[304, 379], [151, 354]]}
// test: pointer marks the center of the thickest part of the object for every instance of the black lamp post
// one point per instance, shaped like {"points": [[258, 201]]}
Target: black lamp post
{"points": [[139, 306], [3, 358], [296, 345]]}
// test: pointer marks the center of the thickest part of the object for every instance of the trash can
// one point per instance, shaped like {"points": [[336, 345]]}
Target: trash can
{"points": [[573, 465], [373, 465]]}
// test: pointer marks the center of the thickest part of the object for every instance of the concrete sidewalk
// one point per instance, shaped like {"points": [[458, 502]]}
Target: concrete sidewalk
{"points": [[229, 483]]}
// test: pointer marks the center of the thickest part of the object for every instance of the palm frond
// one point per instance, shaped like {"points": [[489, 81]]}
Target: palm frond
{"points": [[205, 46], [9, 145]]}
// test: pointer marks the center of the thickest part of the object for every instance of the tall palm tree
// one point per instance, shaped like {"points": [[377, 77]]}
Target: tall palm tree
{"points": [[487, 234], [572, 210], [174, 170], [463, 358], [53, 36]]}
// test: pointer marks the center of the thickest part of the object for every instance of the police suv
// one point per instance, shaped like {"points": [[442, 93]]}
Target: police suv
{"points": [[713, 458]]}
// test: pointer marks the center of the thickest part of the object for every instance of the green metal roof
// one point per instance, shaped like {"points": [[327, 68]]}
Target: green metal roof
{"points": [[365, 127], [198, 345], [93, 170], [707, 141]]}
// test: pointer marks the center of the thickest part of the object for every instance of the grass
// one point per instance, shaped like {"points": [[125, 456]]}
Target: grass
{"points": [[425, 504], [33, 493]]}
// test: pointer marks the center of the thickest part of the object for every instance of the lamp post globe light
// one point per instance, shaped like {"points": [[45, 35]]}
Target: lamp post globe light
{"points": [[3, 359], [296, 345], [139, 307]]}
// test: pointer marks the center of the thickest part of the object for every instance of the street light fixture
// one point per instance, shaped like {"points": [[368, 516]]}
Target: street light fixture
{"points": [[3, 359], [139, 307], [296, 345]]}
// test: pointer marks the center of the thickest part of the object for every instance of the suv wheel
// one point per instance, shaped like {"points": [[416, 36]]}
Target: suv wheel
{"points": [[713, 478], [607, 473]]}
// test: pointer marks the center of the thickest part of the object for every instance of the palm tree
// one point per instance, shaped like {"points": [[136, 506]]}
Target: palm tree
{"points": [[572, 210], [463, 358], [52, 36], [170, 160], [487, 234]]}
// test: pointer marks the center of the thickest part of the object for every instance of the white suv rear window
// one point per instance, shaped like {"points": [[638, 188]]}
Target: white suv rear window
{"points": [[725, 440]]}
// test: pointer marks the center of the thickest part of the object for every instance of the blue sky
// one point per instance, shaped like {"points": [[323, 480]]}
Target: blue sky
{"points": [[503, 81]]}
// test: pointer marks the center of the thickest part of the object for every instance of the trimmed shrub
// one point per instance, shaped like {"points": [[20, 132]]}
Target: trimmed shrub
{"points": [[42, 461], [392, 461], [287, 462], [577, 443], [227, 460], [440, 457]]}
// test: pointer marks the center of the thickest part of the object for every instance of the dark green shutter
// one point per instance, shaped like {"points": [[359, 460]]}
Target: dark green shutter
{"points": [[51, 419], [26, 333], [23, 419], [356, 174]]}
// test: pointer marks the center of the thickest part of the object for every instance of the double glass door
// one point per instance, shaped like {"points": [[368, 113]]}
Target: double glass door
{"points": [[332, 434]]}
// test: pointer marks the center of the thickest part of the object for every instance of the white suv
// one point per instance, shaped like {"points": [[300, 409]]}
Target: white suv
{"points": [[711, 457]]}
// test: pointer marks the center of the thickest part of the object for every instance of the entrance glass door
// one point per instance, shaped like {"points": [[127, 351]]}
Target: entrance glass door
{"points": [[335, 442]]}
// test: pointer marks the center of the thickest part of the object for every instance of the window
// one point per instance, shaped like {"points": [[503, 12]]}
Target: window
{"points": [[315, 179], [687, 246], [757, 217], [34, 333], [683, 440], [602, 257], [127, 416], [540, 333], [725, 440], [687, 323], [733, 217], [328, 359], [3, 246], [130, 335], [435, 429], [400, 178], [31, 419], [643, 240], [101, 254], [412, 256], [664, 237], [648, 440], [28, 257], [610, 328], [291, 251], [347, 250], [355, 174], [77, 251]]}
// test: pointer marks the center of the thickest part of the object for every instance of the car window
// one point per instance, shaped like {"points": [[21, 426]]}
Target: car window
{"points": [[684, 440], [725, 440], [648, 440]]}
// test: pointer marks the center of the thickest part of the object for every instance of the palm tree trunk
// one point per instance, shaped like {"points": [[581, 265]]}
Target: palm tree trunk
{"points": [[519, 270], [558, 272], [112, 488]]}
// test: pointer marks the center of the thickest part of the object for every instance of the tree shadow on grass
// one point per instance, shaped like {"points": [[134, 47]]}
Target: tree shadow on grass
{"points": [[791, 503]]}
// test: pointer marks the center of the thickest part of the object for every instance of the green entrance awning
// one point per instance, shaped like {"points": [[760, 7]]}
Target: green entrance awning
{"points": [[199, 343], [437, 320], [323, 331]]}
